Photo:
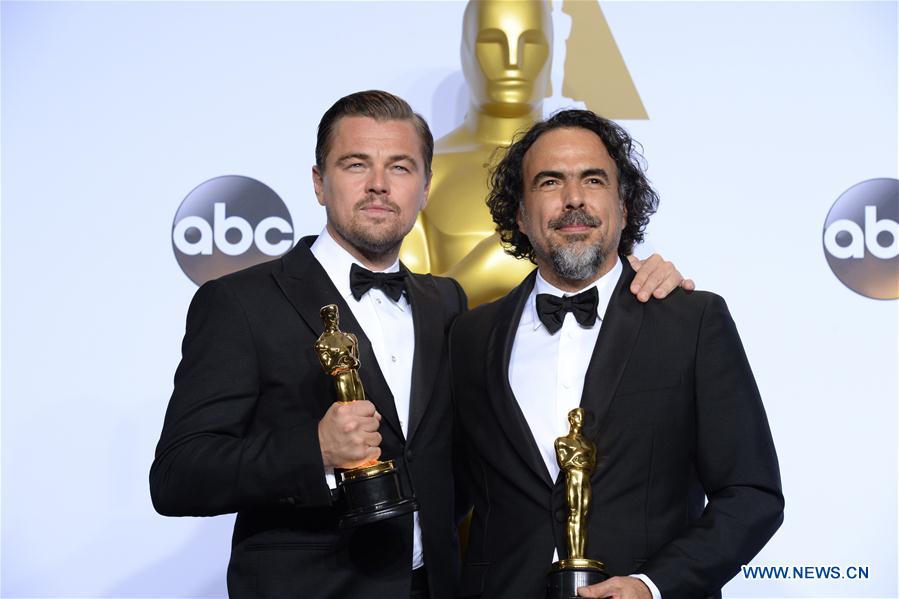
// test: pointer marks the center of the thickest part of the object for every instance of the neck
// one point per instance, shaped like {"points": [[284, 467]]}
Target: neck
{"points": [[570, 285], [492, 125], [371, 260]]}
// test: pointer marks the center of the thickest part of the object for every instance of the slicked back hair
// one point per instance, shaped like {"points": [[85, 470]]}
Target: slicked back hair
{"points": [[380, 106], [507, 181]]}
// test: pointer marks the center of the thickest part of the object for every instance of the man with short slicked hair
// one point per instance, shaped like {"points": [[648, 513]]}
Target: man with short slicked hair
{"points": [[252, 425]]}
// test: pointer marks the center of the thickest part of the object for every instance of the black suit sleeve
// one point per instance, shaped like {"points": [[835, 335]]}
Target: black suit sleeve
{"points": [[454, 295], [207, 461], [736, 463]]}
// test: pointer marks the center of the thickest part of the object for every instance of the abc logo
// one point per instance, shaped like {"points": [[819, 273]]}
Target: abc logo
{"points": [[861, 238], [229, 223]]}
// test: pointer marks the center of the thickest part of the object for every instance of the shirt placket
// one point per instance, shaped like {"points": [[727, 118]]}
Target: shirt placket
{"points": [[567, 368]]}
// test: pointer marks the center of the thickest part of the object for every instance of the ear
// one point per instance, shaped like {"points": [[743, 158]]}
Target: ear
{"points": [[427, 191], [623, 215], [318, 183], [518, 218]]}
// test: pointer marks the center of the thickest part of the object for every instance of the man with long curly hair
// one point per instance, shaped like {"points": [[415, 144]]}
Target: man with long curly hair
{"points": [[670, 399]]}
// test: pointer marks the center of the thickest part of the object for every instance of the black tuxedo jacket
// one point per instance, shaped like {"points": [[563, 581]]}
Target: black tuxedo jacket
{"points": [[676, 416], [241, 435]]}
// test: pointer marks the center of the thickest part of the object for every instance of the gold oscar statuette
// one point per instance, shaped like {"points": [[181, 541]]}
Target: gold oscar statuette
{"points": [[507, 63], [506, 54], [371, 491], [576, 455]]}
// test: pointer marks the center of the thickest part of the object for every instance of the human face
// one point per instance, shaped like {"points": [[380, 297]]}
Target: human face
{"points": [[372, 186], [571, 211]]}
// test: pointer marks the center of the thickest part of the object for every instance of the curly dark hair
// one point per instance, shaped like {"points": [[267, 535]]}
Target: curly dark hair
{"points": [[507, 180]]}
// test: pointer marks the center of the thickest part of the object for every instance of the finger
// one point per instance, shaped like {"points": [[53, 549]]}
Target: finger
{"points": [[363, 408], [340, 409], [636, 263], [372, 439], [602, 589], [665, 287], [373, 454], [647, 269], [354, 456], [652, 284], [369, 425], [688, 285], [670, 279]]}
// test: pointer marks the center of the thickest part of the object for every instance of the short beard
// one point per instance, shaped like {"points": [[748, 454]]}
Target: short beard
{"points": [[574, 263], [373, 242], [570, 261]]}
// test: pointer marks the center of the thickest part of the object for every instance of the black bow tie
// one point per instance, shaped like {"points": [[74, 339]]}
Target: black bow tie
{"points": [[551, 309], [393, 284]]}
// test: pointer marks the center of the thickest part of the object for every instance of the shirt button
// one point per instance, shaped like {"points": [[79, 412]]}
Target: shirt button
{"points": [[570, 334], [378, 300], [393, 358], [566, 384]]}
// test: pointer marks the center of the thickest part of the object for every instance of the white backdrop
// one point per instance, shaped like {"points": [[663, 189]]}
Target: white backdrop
{"points": [[761, 115]]}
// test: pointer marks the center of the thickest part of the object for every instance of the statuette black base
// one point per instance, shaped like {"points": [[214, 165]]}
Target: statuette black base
{"points": [[567, 576], [371, 494]]}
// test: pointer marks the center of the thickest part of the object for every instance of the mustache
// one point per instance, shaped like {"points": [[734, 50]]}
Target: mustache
{"points": [[575, 217], [372, 199]]}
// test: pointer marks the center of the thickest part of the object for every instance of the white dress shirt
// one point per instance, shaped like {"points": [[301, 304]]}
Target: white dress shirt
{"points": [[546, 371], [388, 325]]}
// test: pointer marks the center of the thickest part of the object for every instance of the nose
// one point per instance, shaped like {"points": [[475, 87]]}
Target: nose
{"points": [[377, 182], [573, 197]]}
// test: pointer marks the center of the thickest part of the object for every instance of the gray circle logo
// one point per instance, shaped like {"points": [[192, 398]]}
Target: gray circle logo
{"points": [[861, 238], [229, 223]]}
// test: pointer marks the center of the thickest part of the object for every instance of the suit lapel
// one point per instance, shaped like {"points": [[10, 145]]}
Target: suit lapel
{"points": [[499, 352], [616, 340], [428, 319], [308, 287]]}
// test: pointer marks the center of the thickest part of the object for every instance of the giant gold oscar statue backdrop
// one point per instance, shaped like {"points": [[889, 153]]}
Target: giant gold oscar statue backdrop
{"points": [[506, 54]]}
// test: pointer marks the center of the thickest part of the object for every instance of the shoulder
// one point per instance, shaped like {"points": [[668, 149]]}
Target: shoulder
{"points": [[697, 301], [685, 310], [452, 296], [248, 289], [475, 324]]}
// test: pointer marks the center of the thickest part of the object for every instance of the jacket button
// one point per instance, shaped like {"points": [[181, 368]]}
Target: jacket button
{"points": [[560, 515], [409, 455]]}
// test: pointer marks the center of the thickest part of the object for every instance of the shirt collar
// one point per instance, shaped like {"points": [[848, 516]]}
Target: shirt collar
{"points": [[337, 263], [605, 285]]}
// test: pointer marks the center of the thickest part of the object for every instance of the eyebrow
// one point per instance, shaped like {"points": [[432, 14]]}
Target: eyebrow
{"points": [[590, 172], [596, 172], [367, 158], [406, 157], [547, 175], [353, 156]]}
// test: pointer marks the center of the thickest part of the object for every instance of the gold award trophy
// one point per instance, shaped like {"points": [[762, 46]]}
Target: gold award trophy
{"points": [[576, 455], [370, 492]]}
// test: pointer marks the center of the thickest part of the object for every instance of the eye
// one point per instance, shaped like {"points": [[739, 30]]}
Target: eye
{"points": [[355, 166], [594, 181], [549, 183], [400, 168]]}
